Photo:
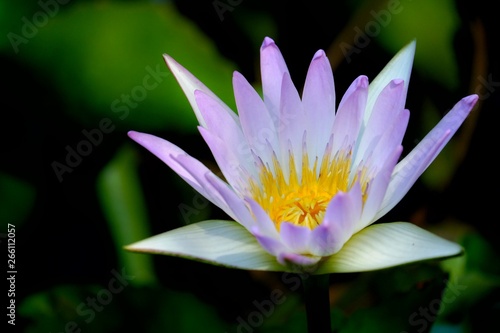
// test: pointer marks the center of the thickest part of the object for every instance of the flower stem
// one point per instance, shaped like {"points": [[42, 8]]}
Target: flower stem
{"points": [[317, 302]]}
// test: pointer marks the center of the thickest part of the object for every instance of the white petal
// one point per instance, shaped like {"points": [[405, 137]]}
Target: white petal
{"points": [[398, 68], [223, 243], [189, 84], [386, 245]]}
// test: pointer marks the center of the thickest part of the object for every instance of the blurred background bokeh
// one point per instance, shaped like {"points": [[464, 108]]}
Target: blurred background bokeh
{"points": [[77, 75]]}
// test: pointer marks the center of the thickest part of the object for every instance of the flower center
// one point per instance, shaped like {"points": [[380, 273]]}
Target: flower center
{"points": [[301, 198]]}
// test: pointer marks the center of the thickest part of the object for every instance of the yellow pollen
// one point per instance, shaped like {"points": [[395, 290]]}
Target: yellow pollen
{"points": [[303, 199]]}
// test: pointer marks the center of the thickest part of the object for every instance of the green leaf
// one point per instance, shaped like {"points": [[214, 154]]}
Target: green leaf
{"points": [[121, 197]]}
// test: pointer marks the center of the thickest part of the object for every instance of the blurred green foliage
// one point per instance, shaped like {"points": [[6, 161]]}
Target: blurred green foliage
{"points": [[106, 60]]}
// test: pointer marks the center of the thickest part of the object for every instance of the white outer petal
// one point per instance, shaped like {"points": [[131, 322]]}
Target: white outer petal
{"points": [[223, 243], [386, 245], [189, 83], [398, 68]]}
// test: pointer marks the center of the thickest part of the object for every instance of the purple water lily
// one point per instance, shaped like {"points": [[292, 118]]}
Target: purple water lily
{"points": [[304, 179]]}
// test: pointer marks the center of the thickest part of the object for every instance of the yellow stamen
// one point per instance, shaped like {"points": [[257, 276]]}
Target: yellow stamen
{"points": [[303, 199]]}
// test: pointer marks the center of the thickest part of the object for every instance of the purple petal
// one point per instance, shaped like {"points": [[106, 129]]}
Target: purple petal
{"points": [[291, 124], [297, 262], [387, 108], [341, 215], [273, 67], [272, 245], [189, 168], [376, 190], [382, 149], [233, 201], [414, 164], [295, 237], [199, 172], [164, 150], [263, 223], [318, 100], [255, 120], [218, 121], [350, 113], [234, 169]]}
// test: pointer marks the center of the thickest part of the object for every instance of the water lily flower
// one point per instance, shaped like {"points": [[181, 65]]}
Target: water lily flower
{"points": [[305, 180]]}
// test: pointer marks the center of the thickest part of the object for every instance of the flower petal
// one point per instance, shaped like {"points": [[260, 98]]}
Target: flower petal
{"points": [[263, 223], [295, 237], [189, 168], [349, 115], [223, 243], [387, 108], [256, 123], [297, 262], [272, 67], [414, 164], [165, 151], [291, 124], [386, 245], [233, 201], [225, 128], [341, 215], [189, 83], [217, 120], [376, 190], [398, 68], [318, 100], [235, 170]]}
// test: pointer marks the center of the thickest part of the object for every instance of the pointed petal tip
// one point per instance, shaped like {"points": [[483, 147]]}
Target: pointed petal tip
{"points": [[134, 135], [170, 61], [237, 75], [397, 82], [362, 81], [410, 47], [319, 54], [267, 42], [470, 100]]}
